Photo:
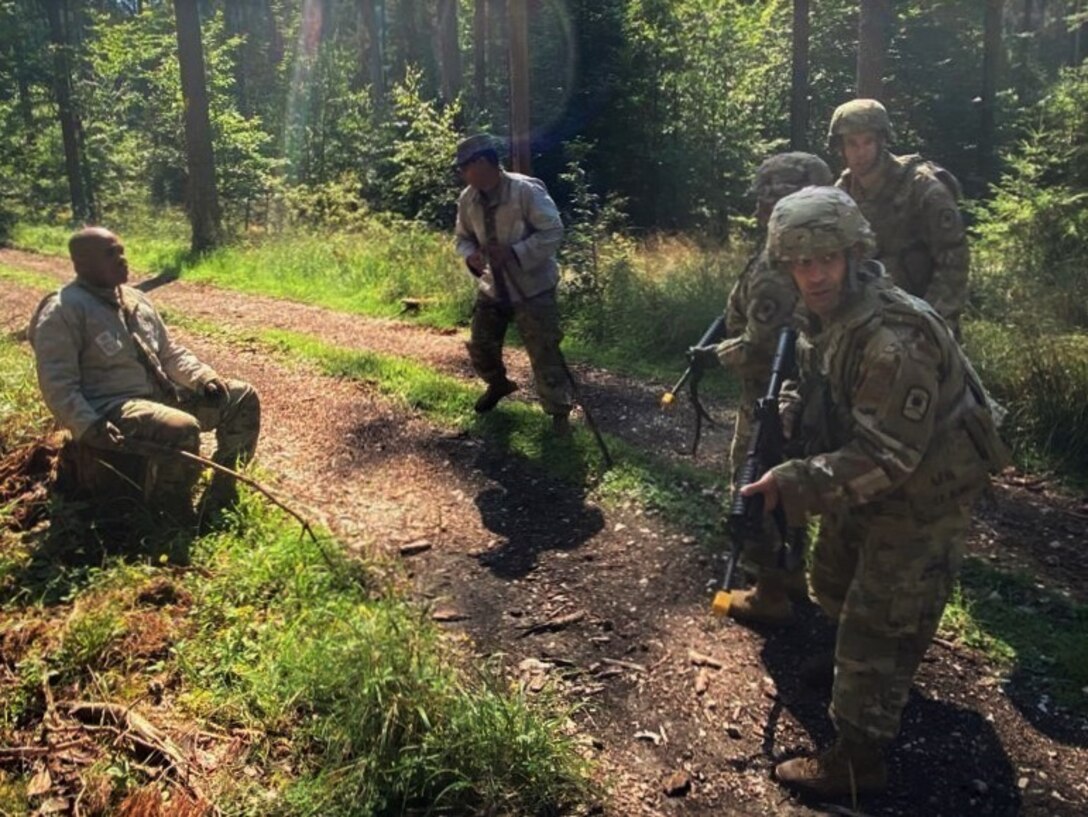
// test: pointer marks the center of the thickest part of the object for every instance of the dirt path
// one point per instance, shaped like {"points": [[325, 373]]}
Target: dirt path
{"points": [[607, 605]]}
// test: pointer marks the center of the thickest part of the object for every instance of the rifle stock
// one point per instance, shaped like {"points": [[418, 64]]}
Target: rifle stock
{"points": [[764, 452]]}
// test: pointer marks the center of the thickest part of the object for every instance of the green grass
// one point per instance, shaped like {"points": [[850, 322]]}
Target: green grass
{"points": [[361, 704], [1024, 629], [27, 278]]}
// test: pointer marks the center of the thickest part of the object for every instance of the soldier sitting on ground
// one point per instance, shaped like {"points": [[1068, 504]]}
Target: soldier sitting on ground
{"points": [[110, 372]]}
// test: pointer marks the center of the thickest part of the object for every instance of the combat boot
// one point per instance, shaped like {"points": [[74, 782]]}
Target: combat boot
{"points": [[495, 392], [846, 769], [767, 602]]}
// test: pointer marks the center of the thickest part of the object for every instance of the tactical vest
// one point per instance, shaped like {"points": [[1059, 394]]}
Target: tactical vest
{"points": [[895, 220], [965, 446]]}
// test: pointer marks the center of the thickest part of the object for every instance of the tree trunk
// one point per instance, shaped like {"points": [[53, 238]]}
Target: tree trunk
{"points": [[203, 198], [449, 50], [520, 146], [874, 33], [82, 207], [371, 18], [991, 64], [479, 53], [799, 108]]}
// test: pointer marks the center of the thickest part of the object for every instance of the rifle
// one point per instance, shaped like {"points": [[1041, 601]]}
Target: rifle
{"points": [[764, 452], [691, 376]]}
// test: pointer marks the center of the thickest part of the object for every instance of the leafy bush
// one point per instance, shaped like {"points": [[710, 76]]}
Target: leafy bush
{"points": [[1043, 382]]}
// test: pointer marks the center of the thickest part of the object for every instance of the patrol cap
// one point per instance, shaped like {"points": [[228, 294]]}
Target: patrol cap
{"points": [[471, 147], [816, 221], [859, 115], [786, 173]]}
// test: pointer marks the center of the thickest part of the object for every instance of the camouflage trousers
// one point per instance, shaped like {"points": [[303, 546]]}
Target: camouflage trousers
{"points": [[885, 575], [169, 481], [761, 557], [537, 320]]}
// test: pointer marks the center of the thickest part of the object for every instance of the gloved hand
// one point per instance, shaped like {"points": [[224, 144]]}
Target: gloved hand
{"points": [[703, 356], [103, 434], [215, 390]]}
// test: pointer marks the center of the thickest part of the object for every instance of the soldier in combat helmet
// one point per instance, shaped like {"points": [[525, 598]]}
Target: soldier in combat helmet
{"points": [[909, 202], [899, 437], [761, 303]]}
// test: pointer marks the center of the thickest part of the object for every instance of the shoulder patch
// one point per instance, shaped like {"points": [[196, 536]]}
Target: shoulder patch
{"points": [[948, 219], [766, 308], [916, 403]]}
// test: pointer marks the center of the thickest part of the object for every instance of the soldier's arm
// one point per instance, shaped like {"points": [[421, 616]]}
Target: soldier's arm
{"points": [[893, 400], [547, 227], [946, 239], [466, 240], [770, 306], [180, 365], [56, 345]]}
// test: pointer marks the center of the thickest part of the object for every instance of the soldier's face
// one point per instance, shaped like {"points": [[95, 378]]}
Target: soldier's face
{"points": [[99, 259], [860, 151], [821, 281]]}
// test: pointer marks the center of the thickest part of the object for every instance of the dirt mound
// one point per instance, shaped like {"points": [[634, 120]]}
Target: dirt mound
{"points": [[28, 474]]}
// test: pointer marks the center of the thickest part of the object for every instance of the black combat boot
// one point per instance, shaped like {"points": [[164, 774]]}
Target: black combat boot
{"points": [[495, 392]]}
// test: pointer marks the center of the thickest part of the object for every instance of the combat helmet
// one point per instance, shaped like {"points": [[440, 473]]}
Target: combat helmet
{"points": [[816, 221], [859, 115], [786, 173]]}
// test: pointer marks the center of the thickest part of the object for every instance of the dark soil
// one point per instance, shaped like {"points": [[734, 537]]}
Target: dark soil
{"points": [[611, 606]]}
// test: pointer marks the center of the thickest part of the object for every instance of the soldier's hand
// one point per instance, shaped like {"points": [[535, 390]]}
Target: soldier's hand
{"points": [[215, 390], [103, 434], [766, 485], [702, 356], [476, 263], [501, 255]]}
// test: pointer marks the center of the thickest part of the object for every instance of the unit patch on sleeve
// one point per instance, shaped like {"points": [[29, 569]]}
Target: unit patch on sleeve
{"points": [[766, 309], [916, 404]]}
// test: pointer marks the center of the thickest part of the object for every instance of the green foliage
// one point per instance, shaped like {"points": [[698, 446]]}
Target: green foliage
{"points": [[1035, 228], [1043, 382], [423, 179], [132, 115]]}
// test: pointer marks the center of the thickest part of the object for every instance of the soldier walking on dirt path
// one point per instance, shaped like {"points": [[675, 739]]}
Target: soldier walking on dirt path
{"points": [[899, 438], [110, 372], [508, 230], [911, 205], [761, 303]]}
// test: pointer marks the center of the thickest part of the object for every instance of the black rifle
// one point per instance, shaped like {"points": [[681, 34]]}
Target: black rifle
{"points": [[764, 452], [691, 377]]}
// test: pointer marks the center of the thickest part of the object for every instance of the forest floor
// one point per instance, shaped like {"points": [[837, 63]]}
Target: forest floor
{"points": [[609, 603]]}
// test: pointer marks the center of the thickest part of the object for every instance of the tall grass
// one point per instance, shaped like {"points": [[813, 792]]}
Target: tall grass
{"points": [[1043, 382]]}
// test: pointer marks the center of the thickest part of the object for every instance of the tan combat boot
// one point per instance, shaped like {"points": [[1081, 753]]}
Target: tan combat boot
{"points": [[846, 769], [766, 602]]}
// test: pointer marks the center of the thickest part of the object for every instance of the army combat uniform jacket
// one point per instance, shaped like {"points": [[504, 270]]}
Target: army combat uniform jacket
{"points": [[524, 218], [87, 360], [901, 437], [920, 235]]}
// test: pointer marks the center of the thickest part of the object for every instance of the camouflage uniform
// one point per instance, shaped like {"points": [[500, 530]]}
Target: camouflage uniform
{"points": [[521, 215], [901, 437], [103, 352], [912, 208], [761, 303]]}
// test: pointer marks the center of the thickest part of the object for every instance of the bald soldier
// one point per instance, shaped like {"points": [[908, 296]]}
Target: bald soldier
{"points": [[110, 372], [909, 202], [899, 438], [760, 304]]}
